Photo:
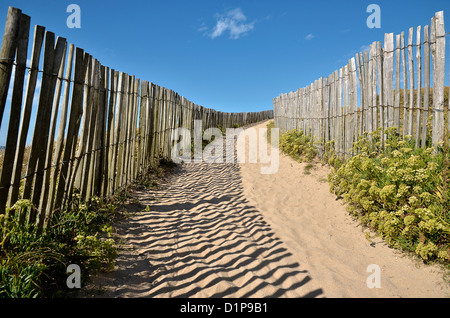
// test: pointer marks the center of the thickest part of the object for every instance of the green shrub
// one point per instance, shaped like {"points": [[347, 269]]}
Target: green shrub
{"points": [[399, 191], [298, 145], [33, 263], [330, 157], [389, 185]]}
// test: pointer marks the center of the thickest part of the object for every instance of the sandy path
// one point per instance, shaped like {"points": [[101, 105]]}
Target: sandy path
{"points": [[202, 238], [226, 230], [326, 241]]}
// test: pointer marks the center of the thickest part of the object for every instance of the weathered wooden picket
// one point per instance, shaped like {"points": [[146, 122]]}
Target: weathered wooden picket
{"points": [[329, 108], [112, 126]]}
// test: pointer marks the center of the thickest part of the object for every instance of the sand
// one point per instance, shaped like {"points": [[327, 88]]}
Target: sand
{"points": [[226, 230]]}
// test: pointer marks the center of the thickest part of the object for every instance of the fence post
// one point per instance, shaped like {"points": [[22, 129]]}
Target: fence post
{"points": [[347, 127], [26, 114], [52, 59], [405, 86], [411, 82], [353, 102], [60, 138], [340, 113], [426, 82], [360, 73], [438, 78], [388, 72], [419, 86], [76, 110], [397, 82], [7, 53], [51, 144], [16, 108]]}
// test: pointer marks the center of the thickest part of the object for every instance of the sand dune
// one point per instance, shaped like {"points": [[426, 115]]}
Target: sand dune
{"points": [[226, 230]]}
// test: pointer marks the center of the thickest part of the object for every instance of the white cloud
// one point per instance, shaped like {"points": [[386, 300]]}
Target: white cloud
{"points": [[309, 37], [232, 21], [202, 28]]}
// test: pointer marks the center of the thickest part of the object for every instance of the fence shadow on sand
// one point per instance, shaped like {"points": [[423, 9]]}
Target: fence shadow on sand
{"points": [[201, 238]]}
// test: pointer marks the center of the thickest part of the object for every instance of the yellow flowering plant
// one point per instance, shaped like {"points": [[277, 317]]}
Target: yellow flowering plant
{"points": [[298, 145], [398, 190]]}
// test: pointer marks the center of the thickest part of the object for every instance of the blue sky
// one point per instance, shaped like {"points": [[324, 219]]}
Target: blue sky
{"points": [[229, 55]]}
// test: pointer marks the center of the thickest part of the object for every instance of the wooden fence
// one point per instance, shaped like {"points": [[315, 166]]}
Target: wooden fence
{"points": [[361, 97], [111, 126]]}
